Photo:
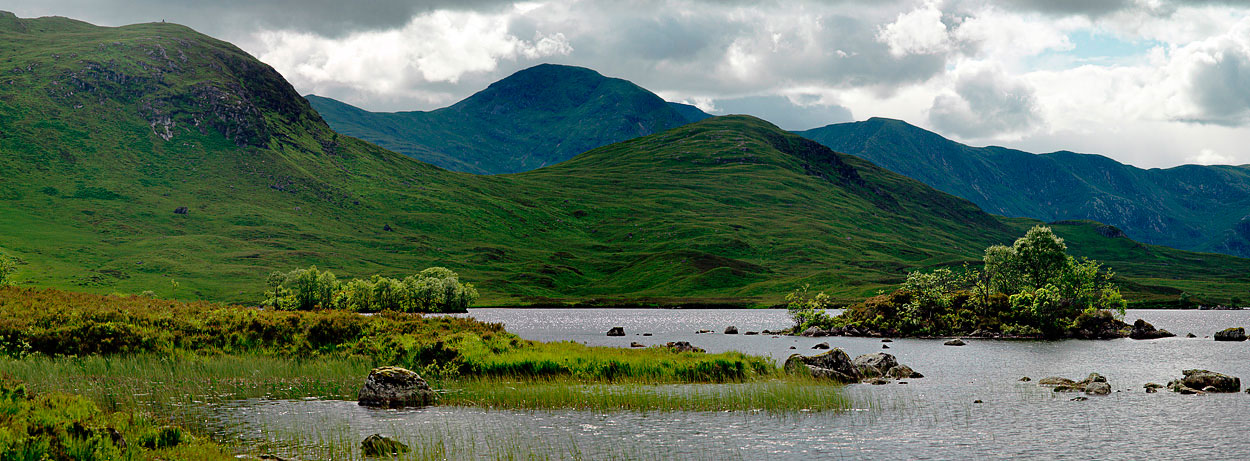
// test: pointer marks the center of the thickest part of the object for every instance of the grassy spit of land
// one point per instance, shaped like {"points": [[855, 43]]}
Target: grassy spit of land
{"points": [[132, 355]]}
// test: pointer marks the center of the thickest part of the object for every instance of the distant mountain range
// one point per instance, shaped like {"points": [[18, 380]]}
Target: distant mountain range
{"points": [[548, 114], [537, 117], [1192, 207], [151, 157]]}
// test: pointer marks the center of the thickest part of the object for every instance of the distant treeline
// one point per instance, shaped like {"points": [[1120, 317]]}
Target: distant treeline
{"points": [[436, 289]]}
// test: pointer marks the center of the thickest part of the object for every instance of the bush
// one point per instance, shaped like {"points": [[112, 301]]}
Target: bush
{"points": [[7, 267]]}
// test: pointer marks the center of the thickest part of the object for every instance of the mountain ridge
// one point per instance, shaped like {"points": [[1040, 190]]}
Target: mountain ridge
{"points": [[1192, 207]]}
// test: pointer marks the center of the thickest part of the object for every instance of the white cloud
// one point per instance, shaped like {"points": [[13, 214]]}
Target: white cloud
{"points": [[919, 31], [439, 46], [1211, 157]]}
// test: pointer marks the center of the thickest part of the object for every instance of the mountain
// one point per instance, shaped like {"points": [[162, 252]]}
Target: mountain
{"points": [[151, 157], [1192, 207], [536, 117]]}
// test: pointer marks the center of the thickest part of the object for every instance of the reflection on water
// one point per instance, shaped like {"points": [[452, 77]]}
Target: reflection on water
{"points": [[933, 417]]}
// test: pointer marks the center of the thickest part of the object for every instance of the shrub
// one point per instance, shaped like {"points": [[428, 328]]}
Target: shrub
{"points": [[436, 289], [7, 266]]}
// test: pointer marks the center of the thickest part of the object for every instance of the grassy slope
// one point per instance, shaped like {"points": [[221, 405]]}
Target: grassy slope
{"points": [[1202, 208], [730, 209], [538, 116]]}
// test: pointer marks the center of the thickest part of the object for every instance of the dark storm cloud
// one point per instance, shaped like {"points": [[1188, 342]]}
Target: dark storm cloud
{"points": [[1070, 7]]}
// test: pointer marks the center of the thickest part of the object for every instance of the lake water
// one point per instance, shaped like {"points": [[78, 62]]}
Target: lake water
{"points": [[930, 418]]}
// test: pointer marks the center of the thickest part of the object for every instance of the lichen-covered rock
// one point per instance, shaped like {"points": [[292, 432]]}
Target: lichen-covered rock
{"points": [[1055, 381], [1098, 388], [1231, 334], [395, 387], [378, 446]]}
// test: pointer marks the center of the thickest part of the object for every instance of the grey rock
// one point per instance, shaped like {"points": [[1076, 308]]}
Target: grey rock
{"points": [[616, 331], [395, 387], [876, 364], [834, 364], [821, 346], [814, 332], [1055, 381], [1098, 388], [683, 346], [954, 342], [903, 372]]}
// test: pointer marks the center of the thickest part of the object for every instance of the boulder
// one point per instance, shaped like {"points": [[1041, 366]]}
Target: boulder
{"points": [[395, 387], [1153, 386], [814, 332], [903, 372], [1191, 335], [1098, 388], [878, 381], [636, 344], [616, 331], [1231, 334], [885, 346], [751, 333], [1202, 379], [683, 346], [1144, 330], [887, 340], [954, 342], [1025, 379], [378, 446], [1079, 399], [876, 364], [834, 364], [731, 330], [821, 346]]}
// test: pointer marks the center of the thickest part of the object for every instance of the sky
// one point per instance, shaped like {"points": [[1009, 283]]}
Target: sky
{"points": [[1153, 83]]}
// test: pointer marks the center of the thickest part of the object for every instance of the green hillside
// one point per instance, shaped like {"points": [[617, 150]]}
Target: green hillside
{"points": [[108, 133], [1200, 208], [537, 117]]}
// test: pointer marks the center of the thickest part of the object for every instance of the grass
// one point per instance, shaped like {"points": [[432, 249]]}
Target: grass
{"points": [[776, 396], [729, 210], [63, 427]]}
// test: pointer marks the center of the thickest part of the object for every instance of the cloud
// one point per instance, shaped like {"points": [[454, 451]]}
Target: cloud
{"points": [[1070, 7], [985, 104], [919, 31], [1216, 76], [1211, 157], [440, 46]]}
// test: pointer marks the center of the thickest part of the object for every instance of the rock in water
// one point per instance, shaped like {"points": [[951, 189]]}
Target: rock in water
{"points": [[814, 332], [1202, 379], [395, 387], [1144, 330], [1231, 334], [377, 446], [683, 346], [636, 344], [616, 331], [834, 364], [1098, 388], [731, 330], [954, 342], [821, 346], [1025, 379], [875, 364], [1055, 381]]}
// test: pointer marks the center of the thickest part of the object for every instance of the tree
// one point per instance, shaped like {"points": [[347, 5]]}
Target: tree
{"points": [[1040, 256], [805, 308]]}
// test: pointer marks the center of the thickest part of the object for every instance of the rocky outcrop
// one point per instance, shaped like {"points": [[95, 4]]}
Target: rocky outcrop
{"points": [[834, 364], [1205, 381], [1231, 334], [616, 331], [395, 387], [376, 445], [876, 368], [1144, 330]]}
